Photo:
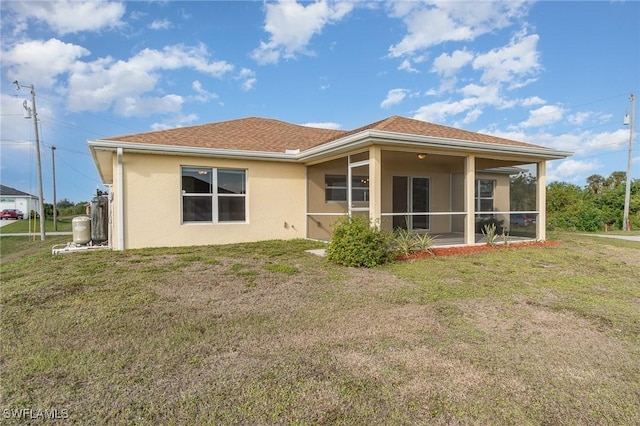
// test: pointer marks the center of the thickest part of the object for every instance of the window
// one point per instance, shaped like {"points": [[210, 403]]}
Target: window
{"points": [[335, 188], [213, 195], [484, 195]]}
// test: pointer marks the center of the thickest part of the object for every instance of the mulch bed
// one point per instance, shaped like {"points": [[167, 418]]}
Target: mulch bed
{"points": [[455, 251]]}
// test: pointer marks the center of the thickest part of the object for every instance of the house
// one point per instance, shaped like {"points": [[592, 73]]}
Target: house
{"points": [[255, 179], [11, 198]]}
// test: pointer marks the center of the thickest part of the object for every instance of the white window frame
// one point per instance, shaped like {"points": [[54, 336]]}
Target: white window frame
{"points": [[360, 189], [479, 197], [215, 196]]}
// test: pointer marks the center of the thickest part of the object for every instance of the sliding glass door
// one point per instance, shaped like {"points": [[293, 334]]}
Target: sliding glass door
{"points": [[411, 197]]}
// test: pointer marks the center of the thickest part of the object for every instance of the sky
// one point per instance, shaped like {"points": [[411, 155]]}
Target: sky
{"points": [[552, 73]]}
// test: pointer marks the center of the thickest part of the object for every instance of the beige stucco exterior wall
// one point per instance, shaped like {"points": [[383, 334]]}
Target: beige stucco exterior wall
{"points": [[152, 202], [279, 195]]}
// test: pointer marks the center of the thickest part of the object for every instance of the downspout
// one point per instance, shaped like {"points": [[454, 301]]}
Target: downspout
{"points": [[110, 228], [120, 197]]}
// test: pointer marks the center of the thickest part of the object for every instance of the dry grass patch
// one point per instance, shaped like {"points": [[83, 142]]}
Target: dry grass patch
{"points": [[266, 333]]}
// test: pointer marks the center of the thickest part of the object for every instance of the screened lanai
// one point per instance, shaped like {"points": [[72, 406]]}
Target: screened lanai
{"points": [[452, 196]]}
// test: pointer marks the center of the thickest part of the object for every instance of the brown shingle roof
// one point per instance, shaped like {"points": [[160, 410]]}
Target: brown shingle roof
{"points": [[268, 135], [244, 134], [397, 124]]}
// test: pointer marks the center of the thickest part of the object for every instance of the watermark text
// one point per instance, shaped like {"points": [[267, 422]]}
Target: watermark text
{"points": [[36, 413]]}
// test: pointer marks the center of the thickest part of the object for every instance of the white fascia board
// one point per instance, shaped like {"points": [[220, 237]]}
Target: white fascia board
{"points": [[96, 162], [190, 151], [368, 137]]}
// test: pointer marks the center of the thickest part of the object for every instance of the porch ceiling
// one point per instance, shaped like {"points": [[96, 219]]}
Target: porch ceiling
{"points": [[453, 163]]}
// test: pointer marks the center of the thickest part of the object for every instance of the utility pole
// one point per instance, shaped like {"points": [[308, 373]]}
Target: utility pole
{"points": [[35, 128], [626, 224], [53, 165]]}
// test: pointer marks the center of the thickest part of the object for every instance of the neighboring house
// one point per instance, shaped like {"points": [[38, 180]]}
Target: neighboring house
{"points": [[11, 198], [257, 179]]}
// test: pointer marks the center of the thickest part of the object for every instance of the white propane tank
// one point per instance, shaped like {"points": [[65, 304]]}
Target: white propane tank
{"points": [[81, 227]]}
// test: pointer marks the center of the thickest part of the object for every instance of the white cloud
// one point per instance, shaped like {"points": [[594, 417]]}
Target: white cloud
{"points": [[579, 118], [104, 82], [248, 78], [448, 65], [291, 26], [472, 116], [160, 24], [407, 66], [41, 62], [394, 97], [501, 69], [475, 97], [534, 100], [588, 117], [487, 94], [202, 95], [438, 112], [68, 16], [510, 63], [569, 169], [433, 23], [137, 15], [142, 106], [544, 116], [324, 125], [178, 120], [579, 142], [605, 140]]}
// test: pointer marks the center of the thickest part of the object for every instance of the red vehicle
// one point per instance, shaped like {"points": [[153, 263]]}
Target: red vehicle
{"points": [[11, 214]]}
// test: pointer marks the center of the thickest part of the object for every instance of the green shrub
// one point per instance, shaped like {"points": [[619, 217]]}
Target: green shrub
{"points": [[490, 234], [356, 242], [424, 242], [406, 242], [403, 241]]}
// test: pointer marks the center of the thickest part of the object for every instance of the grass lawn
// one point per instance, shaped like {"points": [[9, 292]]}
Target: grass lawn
{"points": [[266, 333], [33, 226]]}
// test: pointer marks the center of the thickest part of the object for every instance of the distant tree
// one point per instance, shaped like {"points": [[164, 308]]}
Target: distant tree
{"points": [[564, 201], [595, 183], [598, 206], [616, 179], [523, 192], [562, 196], [64, 203], [48, 210]]}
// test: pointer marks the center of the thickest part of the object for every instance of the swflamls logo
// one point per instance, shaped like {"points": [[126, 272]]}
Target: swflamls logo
{"points": [[35, 413]]}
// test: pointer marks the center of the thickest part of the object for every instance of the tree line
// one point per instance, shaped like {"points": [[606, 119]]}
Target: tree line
{"points": [[598, 206], [66, 208]]}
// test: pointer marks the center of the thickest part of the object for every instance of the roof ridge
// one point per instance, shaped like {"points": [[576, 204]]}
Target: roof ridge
{"points": [[387, 122]]}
